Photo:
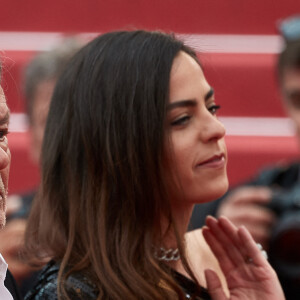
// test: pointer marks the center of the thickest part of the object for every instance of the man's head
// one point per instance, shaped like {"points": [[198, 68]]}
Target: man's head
{"points": [[4, 155], [40, 78]]}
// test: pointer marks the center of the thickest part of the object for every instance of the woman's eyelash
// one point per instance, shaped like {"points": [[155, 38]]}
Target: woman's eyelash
{"points": [[214, 108], [181, 121], [184, 119]]}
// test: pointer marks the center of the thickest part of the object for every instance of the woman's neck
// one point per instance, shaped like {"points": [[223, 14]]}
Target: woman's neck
{"points": [[181, 215]]}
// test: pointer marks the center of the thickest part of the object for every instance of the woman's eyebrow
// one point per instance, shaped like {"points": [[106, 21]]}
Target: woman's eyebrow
{"points": [[182, 103], [190, 102], [209, 94]]}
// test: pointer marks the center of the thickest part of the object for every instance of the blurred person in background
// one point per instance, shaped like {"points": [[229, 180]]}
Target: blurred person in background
{"points": [[269, 205], [40, 77]]}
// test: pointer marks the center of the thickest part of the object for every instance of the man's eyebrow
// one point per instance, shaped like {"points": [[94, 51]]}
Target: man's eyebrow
{"points": [[5, 119], [209, 94], [182, 103]]}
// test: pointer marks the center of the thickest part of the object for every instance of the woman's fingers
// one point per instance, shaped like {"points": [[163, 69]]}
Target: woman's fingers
{"points": [[233, 247], [241, 239], [227, 241], [253, 252], [216, 247], [246, 270], [214, 285], [232, 232]]}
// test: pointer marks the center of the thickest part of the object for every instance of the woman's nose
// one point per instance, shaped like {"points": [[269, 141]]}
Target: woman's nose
{"points": [[213, 129]]}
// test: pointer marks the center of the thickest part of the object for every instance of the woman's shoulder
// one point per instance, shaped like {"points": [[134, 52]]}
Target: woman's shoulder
{"points": [[197, 248], [199, 254], [77, 285], [201, 257]]}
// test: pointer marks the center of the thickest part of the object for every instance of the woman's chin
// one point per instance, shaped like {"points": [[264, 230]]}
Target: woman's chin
{"points": [[215, 192]]}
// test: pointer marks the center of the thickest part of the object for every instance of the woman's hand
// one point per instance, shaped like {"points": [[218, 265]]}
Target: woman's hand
{"points": [[247, 272]]}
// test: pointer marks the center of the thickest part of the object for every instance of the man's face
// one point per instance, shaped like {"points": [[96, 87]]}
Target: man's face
{"points": [[41, 103], [290, 88], [4, 156]]}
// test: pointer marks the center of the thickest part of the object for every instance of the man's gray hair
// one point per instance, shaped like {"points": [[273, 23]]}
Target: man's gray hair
{"points": [[45, 66]]}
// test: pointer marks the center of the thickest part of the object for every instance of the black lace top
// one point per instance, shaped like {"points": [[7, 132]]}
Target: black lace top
{"points": [[77, 286], [80, 288]]}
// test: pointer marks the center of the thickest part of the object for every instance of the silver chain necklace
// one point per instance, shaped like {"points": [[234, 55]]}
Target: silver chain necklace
{"points": [[167, 255]]}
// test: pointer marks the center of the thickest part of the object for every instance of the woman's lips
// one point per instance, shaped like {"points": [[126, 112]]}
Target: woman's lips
{"points": [[216, 161]]}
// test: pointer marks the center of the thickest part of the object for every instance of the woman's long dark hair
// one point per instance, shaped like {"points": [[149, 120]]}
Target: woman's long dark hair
{"points": [[103, 188]]}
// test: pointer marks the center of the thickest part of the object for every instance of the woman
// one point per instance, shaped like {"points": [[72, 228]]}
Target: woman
{"points": [[132, 142]]}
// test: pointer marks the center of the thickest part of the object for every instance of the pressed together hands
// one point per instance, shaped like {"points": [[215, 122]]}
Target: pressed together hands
{"points": [[248, 273]]}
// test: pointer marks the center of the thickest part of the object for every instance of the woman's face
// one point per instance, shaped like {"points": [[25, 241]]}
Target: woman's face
{"points": [[198, 154]]}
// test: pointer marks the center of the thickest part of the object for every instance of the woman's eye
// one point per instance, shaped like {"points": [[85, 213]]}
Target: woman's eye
{"points": [[3, 134], [213, 109], [181, 121]]}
